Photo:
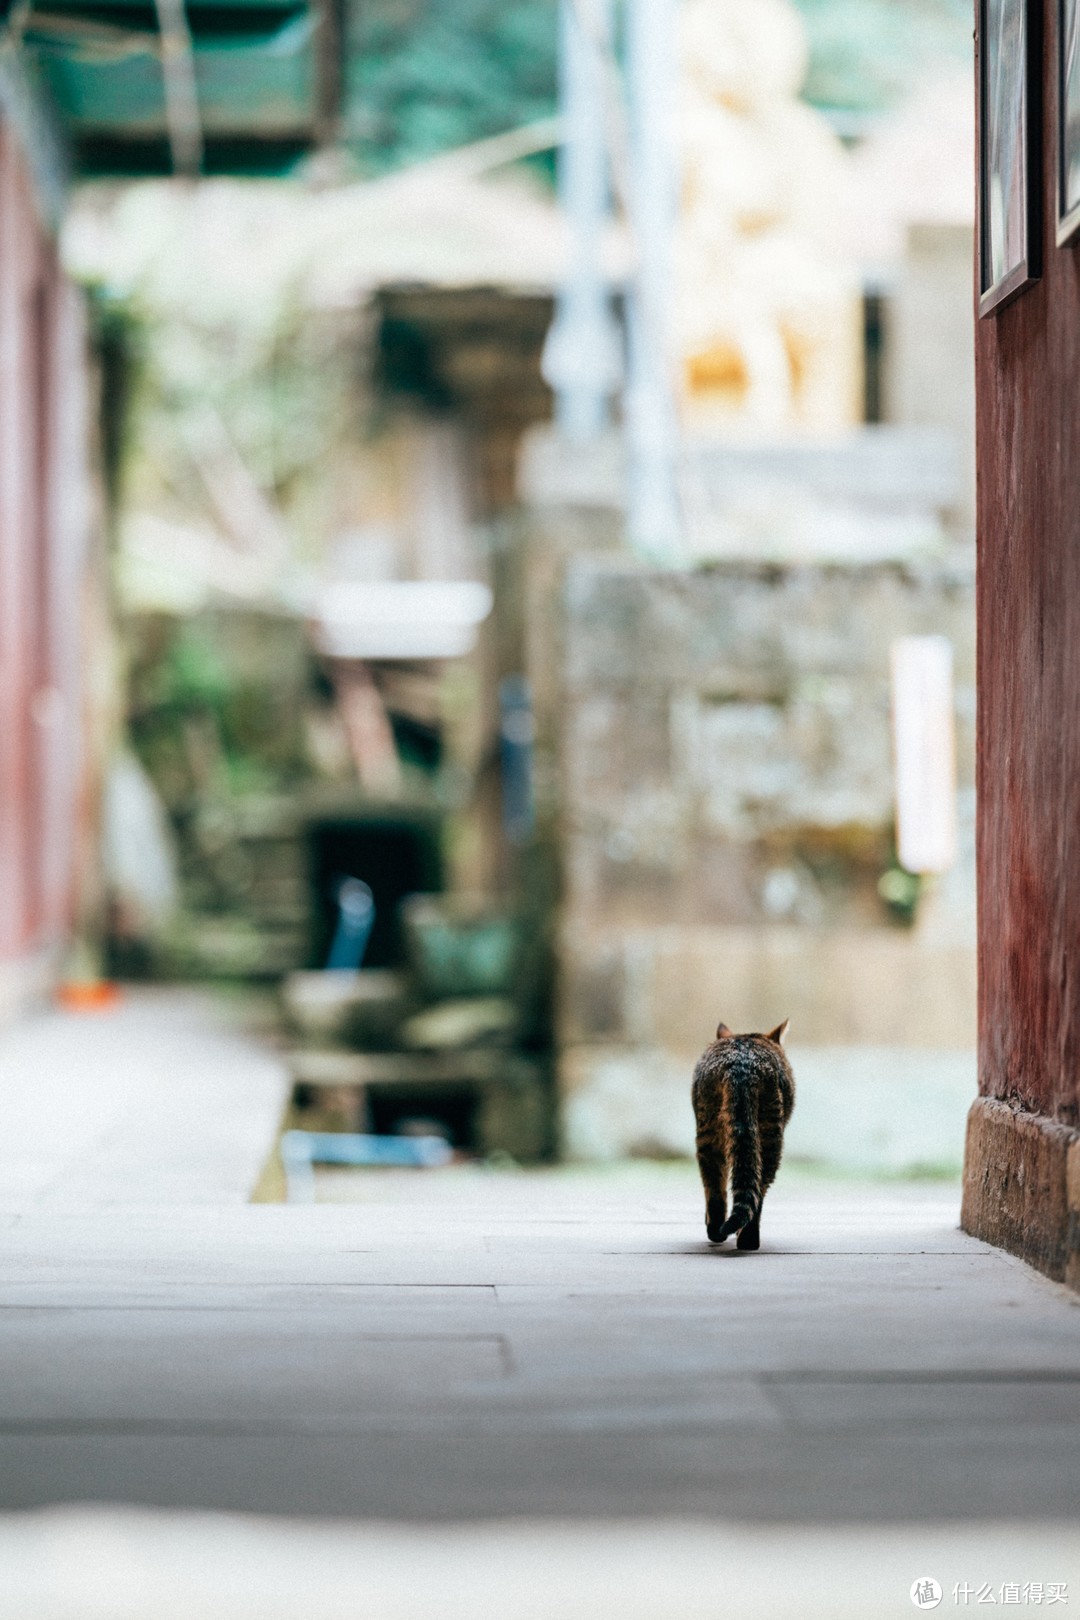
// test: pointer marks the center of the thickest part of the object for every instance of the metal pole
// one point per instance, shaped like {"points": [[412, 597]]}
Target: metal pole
{"points": [[581, 358], [181, 96], [331, 21]]}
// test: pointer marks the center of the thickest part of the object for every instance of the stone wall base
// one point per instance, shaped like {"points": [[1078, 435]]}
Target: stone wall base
{"points": [[1022, 1187]]}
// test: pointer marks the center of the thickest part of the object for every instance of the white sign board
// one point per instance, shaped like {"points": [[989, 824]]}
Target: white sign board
{"points": [[401, 619], [924, 746]]}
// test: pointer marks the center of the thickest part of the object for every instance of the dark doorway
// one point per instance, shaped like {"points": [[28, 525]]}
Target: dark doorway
{"points": [[451, 1109], [396, 855]]}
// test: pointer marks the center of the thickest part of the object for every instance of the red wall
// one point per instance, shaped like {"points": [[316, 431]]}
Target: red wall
{"points": [[44, 526], [1028, 445]]}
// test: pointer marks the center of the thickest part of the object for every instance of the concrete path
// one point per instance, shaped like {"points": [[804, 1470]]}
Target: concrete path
{"points": [[161, 1100], [530, 1345], [482, 1349]]}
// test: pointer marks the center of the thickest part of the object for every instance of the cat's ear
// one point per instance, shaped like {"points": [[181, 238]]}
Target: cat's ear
{"points": [[779, 1032], [722, 1032]]}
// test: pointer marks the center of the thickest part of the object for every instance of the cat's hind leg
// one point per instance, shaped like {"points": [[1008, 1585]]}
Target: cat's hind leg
{"points": [[771, 1135], [713, 1168]]}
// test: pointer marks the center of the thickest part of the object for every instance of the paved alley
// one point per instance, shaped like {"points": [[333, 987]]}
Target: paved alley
{"points": [[475, 1347], [499, 1346]]}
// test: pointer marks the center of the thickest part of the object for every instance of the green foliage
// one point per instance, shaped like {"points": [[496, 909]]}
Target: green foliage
{"points": [[865, 55], [429, 75], [901, 892], [193, 677], [283, 383], [205, 718]]}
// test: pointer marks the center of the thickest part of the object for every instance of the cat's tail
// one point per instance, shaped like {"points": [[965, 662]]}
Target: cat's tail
{"points": [[740, 1122]]}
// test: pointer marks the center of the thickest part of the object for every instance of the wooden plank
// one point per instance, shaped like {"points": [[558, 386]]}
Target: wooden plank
{"points": [[480, 1066]]}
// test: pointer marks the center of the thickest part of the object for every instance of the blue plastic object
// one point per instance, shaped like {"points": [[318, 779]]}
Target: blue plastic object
{"points": [[301, 1151], [356, 918]]}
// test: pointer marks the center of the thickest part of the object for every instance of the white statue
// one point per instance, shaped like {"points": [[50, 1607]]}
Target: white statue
{"points": [[767, 313]]}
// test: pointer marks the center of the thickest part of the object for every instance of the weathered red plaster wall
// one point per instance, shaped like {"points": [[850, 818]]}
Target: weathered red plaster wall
{"points": [[1028, 436], [44, 531]]}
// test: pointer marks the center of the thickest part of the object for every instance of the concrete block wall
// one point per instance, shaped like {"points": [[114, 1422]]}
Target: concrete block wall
{"points": [[722, 774]]}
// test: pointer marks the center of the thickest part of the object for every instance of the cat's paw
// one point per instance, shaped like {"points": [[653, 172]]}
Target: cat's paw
{"points": [[715, 1232], [749, 1237]]}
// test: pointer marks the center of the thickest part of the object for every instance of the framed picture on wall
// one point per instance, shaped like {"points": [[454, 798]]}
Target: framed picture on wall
{"points": [[1008, 150], [1068, 131]]}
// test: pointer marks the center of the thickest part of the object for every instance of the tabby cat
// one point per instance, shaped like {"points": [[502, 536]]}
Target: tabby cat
{"points": [[743, 1094]]}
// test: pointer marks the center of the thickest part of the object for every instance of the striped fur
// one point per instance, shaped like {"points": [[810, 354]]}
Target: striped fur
{"points": [[743, 1095]]}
